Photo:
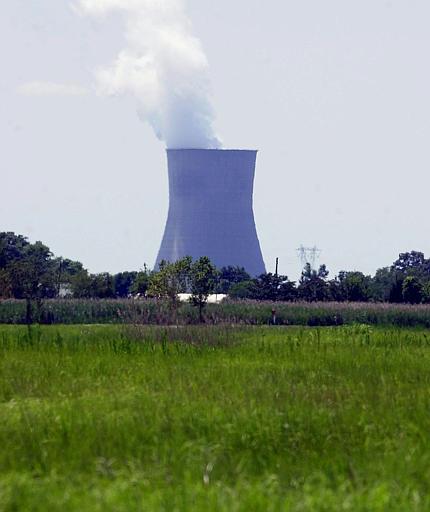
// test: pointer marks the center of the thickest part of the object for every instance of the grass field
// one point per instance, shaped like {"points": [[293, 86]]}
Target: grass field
{"points": [[117, 418]]}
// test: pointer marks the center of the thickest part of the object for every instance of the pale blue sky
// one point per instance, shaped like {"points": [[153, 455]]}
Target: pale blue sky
{"points": [[334, 94]]}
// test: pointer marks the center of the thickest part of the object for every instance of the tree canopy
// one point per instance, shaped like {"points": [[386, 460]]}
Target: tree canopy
{"points": [[30, 271]]}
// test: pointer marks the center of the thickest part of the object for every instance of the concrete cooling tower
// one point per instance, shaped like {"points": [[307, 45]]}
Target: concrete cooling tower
{"points": [[210, 208]]}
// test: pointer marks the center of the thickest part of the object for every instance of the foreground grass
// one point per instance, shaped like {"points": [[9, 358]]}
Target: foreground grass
{"points": [[114, 418]]}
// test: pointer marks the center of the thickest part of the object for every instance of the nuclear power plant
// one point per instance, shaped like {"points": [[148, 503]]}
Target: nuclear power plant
{"points": [[210, 208]]}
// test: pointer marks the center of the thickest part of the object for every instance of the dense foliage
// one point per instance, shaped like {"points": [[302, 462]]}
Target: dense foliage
{"points": [[31, 272]]}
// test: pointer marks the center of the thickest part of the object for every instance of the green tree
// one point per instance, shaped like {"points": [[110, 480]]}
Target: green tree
{"points": [[229, 276], [102, 286], [141, 283], [203, 278], [273, 287], [287, 291], [412, 290], [170, 280], [32, 277], [81, 285], [5, 284], [313, 284], [123, 283], [354, 286], [381, 284], [29, 271], [410, 262], [66, 270], [12, 248], [92, 286], [242, 290], [426, 292]]}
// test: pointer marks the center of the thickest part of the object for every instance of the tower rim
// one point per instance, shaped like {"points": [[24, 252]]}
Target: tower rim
{"points": [[225, 150]]}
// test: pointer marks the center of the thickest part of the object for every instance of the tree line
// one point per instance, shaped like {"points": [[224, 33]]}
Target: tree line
{"points": [[30, 271]]}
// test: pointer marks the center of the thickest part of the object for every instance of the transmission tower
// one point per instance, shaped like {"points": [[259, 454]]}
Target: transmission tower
{"points": [[308, 255]]}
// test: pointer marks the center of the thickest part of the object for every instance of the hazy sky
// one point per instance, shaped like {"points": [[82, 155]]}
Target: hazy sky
{"points": [[334, 94]]}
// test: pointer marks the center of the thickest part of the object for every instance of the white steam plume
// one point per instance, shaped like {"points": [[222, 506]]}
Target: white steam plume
{"points": [[164, 66]]}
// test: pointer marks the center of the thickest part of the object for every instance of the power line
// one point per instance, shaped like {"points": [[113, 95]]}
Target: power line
{"points": [[308, 255]]}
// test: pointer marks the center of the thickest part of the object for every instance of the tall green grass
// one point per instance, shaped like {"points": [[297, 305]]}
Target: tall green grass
{"points": [[123, 418], [153, 312]]}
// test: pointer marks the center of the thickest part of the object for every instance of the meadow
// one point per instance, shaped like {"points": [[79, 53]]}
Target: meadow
{"points": [[124, 418]]}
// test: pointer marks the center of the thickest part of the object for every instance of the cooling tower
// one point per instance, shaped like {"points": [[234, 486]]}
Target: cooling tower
{"points": [[210, 208]]}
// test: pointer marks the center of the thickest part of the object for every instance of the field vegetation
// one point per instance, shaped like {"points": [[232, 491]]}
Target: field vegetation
{"points": [[131, 417], [243, 312]]}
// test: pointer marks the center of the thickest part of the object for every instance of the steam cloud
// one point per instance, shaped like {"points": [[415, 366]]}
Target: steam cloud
{"points": [[164, 66]]}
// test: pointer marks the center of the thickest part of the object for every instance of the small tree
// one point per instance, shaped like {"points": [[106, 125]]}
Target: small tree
{"points": [[313, 284], [141, 283], [32, 277], [203, 278], [353, 287], [12, 250], [170, 280]]}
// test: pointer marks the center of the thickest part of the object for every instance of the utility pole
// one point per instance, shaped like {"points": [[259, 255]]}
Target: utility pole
{"points": [[276, 268]]}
